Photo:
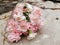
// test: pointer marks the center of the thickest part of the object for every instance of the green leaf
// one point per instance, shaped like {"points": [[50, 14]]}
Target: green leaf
{"points": [[30, 31], [26, 15]]}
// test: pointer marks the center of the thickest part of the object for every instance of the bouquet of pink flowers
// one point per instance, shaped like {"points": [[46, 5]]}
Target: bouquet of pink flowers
{"points": [[25, 21]]}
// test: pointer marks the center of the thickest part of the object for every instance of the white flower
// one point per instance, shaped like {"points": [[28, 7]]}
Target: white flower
{"points": [[18, 16], [29, 7], [31, 36]]}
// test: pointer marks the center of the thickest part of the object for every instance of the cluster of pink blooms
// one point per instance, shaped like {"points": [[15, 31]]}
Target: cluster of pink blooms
{"points": [[18, 25]]}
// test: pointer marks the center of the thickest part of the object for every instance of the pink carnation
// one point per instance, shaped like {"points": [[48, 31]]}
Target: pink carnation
{"points": [[13, 37]]}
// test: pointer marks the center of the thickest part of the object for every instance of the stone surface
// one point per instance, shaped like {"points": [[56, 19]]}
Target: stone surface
{"points": [[48, 35]]}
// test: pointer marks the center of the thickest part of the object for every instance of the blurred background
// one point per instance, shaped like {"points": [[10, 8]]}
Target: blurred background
{"points": [[8, 5]]}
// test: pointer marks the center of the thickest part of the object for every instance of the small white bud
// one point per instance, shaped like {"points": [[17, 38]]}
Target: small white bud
{"points": [[31, 36]]}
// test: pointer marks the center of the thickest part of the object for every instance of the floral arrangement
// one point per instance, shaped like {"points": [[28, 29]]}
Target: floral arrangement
{"points": [[25, 21]]}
